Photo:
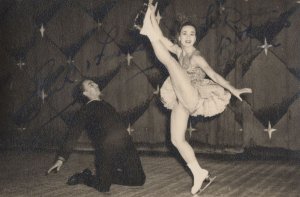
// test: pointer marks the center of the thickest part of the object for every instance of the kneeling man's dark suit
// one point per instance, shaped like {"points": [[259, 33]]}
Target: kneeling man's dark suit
{"points": [[116, 159]]}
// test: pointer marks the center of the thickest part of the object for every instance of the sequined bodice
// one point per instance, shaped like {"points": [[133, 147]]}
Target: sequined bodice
{"points": [[194, 71]]}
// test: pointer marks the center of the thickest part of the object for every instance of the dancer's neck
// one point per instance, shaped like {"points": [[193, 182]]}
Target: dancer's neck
{"points": [[188, 50]]}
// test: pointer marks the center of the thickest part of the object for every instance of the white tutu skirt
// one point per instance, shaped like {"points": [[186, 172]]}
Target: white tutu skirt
{"points": [[213, 98]]}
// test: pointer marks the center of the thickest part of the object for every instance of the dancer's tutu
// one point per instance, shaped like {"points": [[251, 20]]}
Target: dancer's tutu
{"points": [[213, 98]]}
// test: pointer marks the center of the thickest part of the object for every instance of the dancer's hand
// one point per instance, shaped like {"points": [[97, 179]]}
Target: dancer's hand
{"points": [[238, 92]]}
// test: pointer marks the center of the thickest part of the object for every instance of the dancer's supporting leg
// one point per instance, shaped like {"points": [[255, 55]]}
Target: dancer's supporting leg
{"points": [[184, 90], [179, 119]]}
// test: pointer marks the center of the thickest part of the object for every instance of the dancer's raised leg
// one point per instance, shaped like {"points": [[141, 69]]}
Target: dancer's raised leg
{"points": [[179, 119], [147, 29], [184, 90], [154, 21]]}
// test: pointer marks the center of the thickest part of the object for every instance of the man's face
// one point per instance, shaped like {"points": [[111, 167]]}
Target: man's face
{"points": [[91, 89]]}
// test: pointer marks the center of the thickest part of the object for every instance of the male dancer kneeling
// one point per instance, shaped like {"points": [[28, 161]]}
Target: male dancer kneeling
{"points": [[116, 159]]}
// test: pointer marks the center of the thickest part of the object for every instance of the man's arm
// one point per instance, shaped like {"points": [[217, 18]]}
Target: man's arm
{"points": [[69, 141]]}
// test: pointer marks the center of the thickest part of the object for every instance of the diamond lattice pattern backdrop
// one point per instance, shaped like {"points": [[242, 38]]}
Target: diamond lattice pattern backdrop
{"points": [[46, 46]]}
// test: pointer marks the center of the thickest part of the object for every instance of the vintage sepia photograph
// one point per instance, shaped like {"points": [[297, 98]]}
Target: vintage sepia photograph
{"points": [[149, 98]]}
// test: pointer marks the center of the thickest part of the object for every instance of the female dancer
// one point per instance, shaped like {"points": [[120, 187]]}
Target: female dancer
{"points": [[186, 92]]}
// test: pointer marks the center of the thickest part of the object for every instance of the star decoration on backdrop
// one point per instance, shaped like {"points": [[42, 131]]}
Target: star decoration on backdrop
{"points": [[130, 129], [156, 92], [190, 129], [42, 30], [42, 95], [158, 17], [20, 64], [99, 24], [70, 60], [221, 4], [270, 130], [21, 129], [265, 46], [222, 9], [11, 85], [129, 58]]}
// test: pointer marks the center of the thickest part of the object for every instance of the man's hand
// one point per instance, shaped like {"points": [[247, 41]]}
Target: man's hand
{"points": [[56, 167]]}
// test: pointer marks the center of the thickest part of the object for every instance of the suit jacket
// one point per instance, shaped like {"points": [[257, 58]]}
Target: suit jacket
{"points": [[114, 148]]}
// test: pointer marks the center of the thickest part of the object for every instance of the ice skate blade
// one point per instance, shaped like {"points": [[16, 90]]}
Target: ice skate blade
{"points": [[210, 181]]}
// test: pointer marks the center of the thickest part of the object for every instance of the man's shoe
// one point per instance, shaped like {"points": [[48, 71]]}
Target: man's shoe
{"points": [[87, 172], [79, 178]]}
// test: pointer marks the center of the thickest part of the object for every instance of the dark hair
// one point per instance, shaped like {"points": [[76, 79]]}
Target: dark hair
{"points": [[187, 23], [77, 92]]}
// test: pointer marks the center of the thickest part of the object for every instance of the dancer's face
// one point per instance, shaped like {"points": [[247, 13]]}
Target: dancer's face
{"points": [[187, 36]]}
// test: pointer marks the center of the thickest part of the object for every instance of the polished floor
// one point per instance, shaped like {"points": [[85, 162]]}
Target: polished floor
{"points": [[23, 174]]}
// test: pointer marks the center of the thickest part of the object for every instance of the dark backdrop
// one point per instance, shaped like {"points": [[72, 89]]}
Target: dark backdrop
{"points": [[94, 38]]}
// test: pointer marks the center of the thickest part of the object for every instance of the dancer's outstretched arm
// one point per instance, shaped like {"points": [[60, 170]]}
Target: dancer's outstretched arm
{"points": [[173, 48], [198, 60]]}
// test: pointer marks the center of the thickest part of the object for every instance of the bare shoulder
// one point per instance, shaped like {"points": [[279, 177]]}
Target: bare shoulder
{"points": [[196, 58]]}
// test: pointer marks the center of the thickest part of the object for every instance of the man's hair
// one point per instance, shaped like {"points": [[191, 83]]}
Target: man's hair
{"points": [[77, 92]]}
